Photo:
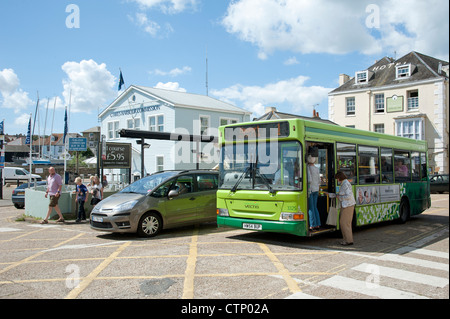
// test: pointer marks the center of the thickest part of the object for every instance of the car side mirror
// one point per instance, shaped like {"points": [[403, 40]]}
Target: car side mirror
{"points": [[173, 193]]}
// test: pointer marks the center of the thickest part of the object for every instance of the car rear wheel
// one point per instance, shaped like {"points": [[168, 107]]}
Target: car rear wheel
{"points": [[150, 225]]}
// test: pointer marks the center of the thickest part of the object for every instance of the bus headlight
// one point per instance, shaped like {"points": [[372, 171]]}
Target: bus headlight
{"points": [[291, 216], [222, 212]]}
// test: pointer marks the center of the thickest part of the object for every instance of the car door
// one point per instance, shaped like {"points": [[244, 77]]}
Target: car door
{"points": [[206, 196], [181, 208]]}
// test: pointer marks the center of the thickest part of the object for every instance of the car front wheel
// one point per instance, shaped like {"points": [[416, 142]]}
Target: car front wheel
{"points": [[150, 225]]}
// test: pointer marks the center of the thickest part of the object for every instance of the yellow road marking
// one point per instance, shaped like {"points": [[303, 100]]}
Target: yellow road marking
{"points": [[188, 287], [23, 261], [88, 280], [292, 284]]}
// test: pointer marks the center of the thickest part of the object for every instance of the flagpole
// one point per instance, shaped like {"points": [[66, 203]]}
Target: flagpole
{"points": [[31, 144], [66, 132]]}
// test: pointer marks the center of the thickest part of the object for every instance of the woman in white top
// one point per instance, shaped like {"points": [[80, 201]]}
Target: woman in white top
{"points": [[97, 191], [348, 202], [313, 193]]}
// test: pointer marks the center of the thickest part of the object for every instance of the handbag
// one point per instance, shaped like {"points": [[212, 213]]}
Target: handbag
{"points": [[332, 212]]}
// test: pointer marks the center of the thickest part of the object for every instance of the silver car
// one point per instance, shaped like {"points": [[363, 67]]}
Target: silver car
{"points": [[162, 200]]}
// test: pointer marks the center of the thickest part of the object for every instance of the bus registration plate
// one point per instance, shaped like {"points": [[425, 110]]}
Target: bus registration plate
{"points": [[252, 226]]}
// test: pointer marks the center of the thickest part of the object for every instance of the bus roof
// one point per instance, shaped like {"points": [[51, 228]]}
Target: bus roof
{"points": [[323, 132]]}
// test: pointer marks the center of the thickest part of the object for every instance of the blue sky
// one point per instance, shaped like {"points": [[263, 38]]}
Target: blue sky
{"points": [[282, 53]]}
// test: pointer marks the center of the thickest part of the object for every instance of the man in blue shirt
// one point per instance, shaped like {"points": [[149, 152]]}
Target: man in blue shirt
{"points": [[82, 192]]}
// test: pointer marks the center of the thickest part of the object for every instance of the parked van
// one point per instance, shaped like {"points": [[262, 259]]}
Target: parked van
{"points": [[14, 174]]}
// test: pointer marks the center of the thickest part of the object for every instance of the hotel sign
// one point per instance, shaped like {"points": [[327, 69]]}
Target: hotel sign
{"points": [[394, 104]]}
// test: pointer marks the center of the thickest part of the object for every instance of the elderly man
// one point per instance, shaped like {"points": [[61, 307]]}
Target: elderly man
{"points": [[54, 186]]}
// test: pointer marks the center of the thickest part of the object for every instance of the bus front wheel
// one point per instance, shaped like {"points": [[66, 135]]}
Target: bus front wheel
{"points": [[404, 211]]}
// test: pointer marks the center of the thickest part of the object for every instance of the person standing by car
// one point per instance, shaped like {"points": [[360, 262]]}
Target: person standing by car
{"points": [[96, 191], [348, 203], [81, 192], [54, 186]]}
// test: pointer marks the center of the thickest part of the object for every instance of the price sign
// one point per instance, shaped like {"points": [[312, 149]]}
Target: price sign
{"points": [[117, 155]]}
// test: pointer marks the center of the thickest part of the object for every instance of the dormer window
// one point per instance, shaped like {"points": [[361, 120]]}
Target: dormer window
{"points": [[404, 71], [363, 77]]}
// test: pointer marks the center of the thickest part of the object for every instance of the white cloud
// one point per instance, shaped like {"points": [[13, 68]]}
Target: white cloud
{"points": [[424, 29], [13, 96], [22, 120], [151, 27], [91, 85], [339, 27], [291, 61], [174, 72], [173, 86], [291, 92], [168, 6]]}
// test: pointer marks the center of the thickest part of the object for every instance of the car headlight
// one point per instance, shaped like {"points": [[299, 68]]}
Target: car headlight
{"points": [[125, 206]]}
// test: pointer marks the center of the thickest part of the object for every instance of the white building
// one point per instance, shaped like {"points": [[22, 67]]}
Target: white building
{"points": [[150, 109], [406, 97]]}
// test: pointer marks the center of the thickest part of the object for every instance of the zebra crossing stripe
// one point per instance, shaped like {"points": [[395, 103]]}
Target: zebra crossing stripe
{"points": [[420, 251], [362, 287], [414, 261], [301, 295], [403, 275]]}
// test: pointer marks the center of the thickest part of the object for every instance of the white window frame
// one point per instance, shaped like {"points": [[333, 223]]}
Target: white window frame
{"points": [[379, 101], [402, 71], [113, 129], [158, 167], [229, 120], [156, 127], [350, 107], [413, 102], [133, 123], [361, 77], [416, 126], [379, 128], [208, 125]]}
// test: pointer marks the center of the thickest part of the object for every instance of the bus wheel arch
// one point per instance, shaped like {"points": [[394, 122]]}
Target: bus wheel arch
{"points": [[404, 210]]}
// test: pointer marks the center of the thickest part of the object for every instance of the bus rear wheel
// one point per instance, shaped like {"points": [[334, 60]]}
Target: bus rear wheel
{"points": [[404, 212]]}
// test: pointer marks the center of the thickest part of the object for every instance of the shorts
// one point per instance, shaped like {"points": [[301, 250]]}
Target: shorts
{"points": [[53, 200]]}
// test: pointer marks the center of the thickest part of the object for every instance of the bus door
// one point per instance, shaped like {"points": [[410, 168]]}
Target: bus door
{"points": [[324, 152]]}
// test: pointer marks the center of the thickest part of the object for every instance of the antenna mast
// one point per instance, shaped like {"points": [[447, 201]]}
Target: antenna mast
{"points": [[207, 93]]}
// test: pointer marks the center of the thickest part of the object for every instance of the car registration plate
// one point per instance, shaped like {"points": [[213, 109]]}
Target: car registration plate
{"points": [[97, 219], [252, 226]]}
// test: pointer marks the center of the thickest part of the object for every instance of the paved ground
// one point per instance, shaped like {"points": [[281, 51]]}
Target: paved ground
{"points": [[205, 262]]}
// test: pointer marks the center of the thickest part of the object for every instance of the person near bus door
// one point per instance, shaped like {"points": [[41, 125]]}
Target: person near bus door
{"points": [[348, 203], [313, 193]]}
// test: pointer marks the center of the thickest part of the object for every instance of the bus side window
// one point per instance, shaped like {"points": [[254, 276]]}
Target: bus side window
{"points": [[402, 166], [424, 170], [415, 166], [368, 168], [346, 160], [387, 175]]}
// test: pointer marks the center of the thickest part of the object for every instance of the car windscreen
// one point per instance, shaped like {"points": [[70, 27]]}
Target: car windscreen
{"points": [[147, 184]]}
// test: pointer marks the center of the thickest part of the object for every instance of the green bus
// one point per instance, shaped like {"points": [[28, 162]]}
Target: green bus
{"points": [[263, 178]]}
